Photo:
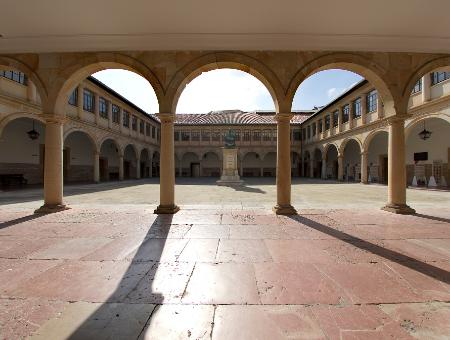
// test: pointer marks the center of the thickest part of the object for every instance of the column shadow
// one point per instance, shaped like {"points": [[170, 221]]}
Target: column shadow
{"points": [[434, 218], [116, 312], [391, 255], [19, 220]]}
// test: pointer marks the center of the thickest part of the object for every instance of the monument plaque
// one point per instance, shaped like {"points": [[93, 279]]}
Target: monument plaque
{"points": [[230, 174]]}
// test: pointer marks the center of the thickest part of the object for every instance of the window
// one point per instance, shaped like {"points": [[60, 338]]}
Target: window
{"points": [[88, 101], [18, 77], [141, 127], [134, 123], [437, 77], [319, 123], [247, 136], [73, 98], [126, 118], [177, 136], [313, 129], [153, 132], [345, 113], [327, 122], [266, 136], [216, 136], [335, 118], [115, 114], [206, 135], [372, 98], [147, 129], [103, 107], [195, 136], [185, 136], [297, 134], [417, 87], [357, 108], [256, 135]]}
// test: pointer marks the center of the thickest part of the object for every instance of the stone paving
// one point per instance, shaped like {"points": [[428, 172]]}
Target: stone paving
{"points": [[117, 271]]}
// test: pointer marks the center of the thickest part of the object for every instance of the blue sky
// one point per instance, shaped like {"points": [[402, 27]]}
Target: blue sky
{"points": [[229, 89]]}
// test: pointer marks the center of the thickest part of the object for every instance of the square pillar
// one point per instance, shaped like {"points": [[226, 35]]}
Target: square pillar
{"points": [[426, 88], [53, 166], [120, 167], [138, 167], [284, 206], [396, 169], [364, 156], [324, 168], [340, 168], [167, 166], [150, 172], [380, 109], [96, 167]]}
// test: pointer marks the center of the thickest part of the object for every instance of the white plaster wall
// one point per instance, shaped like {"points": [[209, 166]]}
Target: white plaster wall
{"points": [[436, 146], [16, 146]]}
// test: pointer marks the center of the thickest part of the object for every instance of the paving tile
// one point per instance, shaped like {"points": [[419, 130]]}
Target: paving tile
{"points": [[22, 246], [200, 250], [295, 283], [158, 250], [305, 251], [250, 219], [265, 322], [258, 232], [247, 251], [208, 231], [180, 322], [222, 283], [117, 249]]}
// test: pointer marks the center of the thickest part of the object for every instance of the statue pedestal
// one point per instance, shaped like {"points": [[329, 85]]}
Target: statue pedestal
{"points": [[230, 174]]}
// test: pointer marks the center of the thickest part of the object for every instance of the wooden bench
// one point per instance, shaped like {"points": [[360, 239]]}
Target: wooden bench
{"points": [[8, 180]]}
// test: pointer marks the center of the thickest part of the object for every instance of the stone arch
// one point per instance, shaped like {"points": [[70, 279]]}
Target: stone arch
{"points": [[86, 132], [71, 75], [144, 158], [346, 141], [219, 156], [9, 118], [112, 138], [351, 149], [220, 60], [133, 147], [211, 166], [189, 164], [366, 143], [353, 62], [8, 63], [415, 121], [328, 146], [80, 149]]}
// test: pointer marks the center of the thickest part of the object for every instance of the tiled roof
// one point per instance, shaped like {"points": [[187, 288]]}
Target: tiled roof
{"points": [[236, 117]]}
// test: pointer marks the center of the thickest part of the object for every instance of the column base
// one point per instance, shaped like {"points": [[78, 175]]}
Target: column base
{"points": [[51, 208], [166, 209], [399, 209], [284, 210]]}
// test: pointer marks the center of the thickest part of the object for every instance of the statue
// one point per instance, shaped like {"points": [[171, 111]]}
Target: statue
{"points": [[230, 139]]}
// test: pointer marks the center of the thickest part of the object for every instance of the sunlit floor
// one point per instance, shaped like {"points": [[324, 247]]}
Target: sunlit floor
{"points": [[225, 267]]}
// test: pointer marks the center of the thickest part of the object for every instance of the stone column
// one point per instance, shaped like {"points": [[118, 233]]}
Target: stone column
{"points": [[241, 165], [97, 108], [283, 206], [31, 92], [80, 102], [150, 172], [120, 167], [363, 108], [138, 167], [53, 166], [340, 167], [167, 166], [96, 167], [311, 168], [396, 169], [324, 168], [426, 88], [364, 156]]}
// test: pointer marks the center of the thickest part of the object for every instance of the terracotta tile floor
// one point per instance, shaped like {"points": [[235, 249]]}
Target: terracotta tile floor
{"points": [[121, 272]]}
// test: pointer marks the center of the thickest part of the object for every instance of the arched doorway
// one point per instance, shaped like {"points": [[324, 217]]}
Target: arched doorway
{"points": [[190, 165], [109, 160], [377, 158], [155, 164], [145, 164], [317, 164], [307, 164], [269, 164], [332, 163], [129, 162], [22, 152], [211, 165], [296, 164], [78, 157], [352, 161], [251, 165]]}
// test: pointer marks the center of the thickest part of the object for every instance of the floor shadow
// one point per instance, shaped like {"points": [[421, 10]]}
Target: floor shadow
{"points": [[391, 255], [246, 189], [117, 312], [434, 218], [19, 220]]}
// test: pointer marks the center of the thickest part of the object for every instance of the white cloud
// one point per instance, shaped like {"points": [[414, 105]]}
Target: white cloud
{"points": [[224, 89], [335, 92]]}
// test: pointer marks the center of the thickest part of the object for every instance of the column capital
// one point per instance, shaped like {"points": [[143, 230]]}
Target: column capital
{"points": [[166, 117], [283, 117]]}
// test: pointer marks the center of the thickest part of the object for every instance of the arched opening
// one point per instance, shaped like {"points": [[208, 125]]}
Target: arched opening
{"points": [[427, 159], [307, 164], [109, 160], [332, 163], [352, 161], [22, 152], [269, 164], [130, 162], [377, 157], [78, 157], [155, 164], [317, 164], [211, 164], [190, 165], [145, 163], [251, 165], [296, 164]]}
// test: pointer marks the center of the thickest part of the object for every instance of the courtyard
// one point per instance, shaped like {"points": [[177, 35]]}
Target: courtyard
{"points": [[225, 266]]}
